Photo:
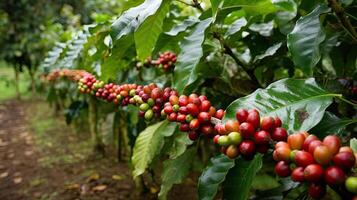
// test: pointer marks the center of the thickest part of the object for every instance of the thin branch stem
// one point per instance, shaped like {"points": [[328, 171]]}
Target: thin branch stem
{"points": [[197, 5], [347, 101], [229, 51], [342, 17]]}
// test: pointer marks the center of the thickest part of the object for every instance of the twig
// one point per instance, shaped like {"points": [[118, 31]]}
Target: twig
{"points": [[197, 5], [228, 51], [342, 17]]}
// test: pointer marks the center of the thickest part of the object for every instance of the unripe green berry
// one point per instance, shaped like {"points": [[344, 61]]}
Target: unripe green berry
{"points": [[151, 102], [144, 107], [149, 114]]}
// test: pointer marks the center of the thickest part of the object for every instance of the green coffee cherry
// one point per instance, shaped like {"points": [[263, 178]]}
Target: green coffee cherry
{"points": [[235, 138], [149, 114], [151, 102], [144, 107]]}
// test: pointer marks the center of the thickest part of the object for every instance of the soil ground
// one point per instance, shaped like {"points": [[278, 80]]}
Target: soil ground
{"points": [[43, 158]]}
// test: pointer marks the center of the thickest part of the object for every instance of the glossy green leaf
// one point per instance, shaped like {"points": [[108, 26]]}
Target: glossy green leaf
{"points": [[131, 19], [215, 4], [148, 32], [236, 26], [305, 39], [251, 7], [213, 176], [353, 144], [331, 124], [53, 56], [175, 170], [182, 26], [179, 145], [269, 52], [191, 52], [264, 29], [240, 178], [148, 144], [287, 5], [300, 103]]}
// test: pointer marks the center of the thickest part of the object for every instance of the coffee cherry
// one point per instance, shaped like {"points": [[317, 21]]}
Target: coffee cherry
{"points": [[232, 126], [333, 143], [204, 117], [175, 108], [212, 111], [235, 138], [279, 134], [282, 169], [205, 106], [282, 154], [345, 160], [334, 176], [181, 118], [193, 135], [221, 129], [144, 107], [241, 115], [351, 184], [149, 115], [281, 144], [184, 127], [247, 149], [215, 139], [277, 122], [308, 140], [303, 158], [317, 190], [194, 124], [219, 114], [183, 110], [189, 118], [254, 119], [345, 149], [183, 100], [207, 130], [168, 110], [192, 109], [262, 137], [232, 151], [313, 146], [262, 148], [223, 140], [296, 140], [172, 117], [298, 175], [322, 155], [174, 100], [313, 173], [267, 124], [246, 129]]}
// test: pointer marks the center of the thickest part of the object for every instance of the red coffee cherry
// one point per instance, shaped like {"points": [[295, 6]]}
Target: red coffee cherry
{"points": [[205, 106], [317, 190], [322, 155], [333, 143], [247, 149], [262, 137], [334, 176], [282, 154], [313, 173], [267, 124], [296, 140], [254, 119], [193, 135], [308, 140], [207, 130], [204, 117], [241, 115], [215, 139], [184, 127], [183, 100], [282, 169], [303, 158], [277, 122], [194, 124], [298, 175], [232, 126], [172, 117], [313, 146], [192, 109], [279, 134], [246, 129], [345, 160], [262, 148], [219, 114]]}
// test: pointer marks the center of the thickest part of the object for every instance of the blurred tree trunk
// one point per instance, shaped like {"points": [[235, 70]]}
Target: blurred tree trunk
{"points": [[17, 82], [121, 136], [93, 126], [33, 83]]}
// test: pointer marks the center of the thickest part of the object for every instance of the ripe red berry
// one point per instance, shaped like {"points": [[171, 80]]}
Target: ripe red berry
{"points": [[334, 176], [215, 139], [254, 119], [282, 169], [267, 124], [184, 127], [172, 117], [168, 110], [262, 137], [277, 122], [317, 190], [303, 158], [333, 143], [313, 145], [241, 115], [346, 160], [262, 148], [313, 173], [282, 154], [183, 100], [205, 106], [192, 109], [207, 130], [297, 174], [219, 114], [193, 135], [174, 100], [296, 140], [247, 149], [246, 129], [221, 129], [183, 110], [308, 140], [181, 118], [204, 117], [194, 124], [322, 155], [279, 134]]}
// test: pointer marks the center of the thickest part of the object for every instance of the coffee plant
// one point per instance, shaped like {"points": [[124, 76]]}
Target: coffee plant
{"points": [[234, 90]]}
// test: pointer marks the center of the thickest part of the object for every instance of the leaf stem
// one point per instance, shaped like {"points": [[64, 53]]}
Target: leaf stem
{"points": [[346, 101], [229, 51], [342, 17]]}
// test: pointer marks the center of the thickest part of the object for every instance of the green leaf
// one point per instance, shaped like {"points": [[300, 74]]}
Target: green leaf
{"points": [[300, 103], [236, 26], [191, 52], [149, 31], [331, 124], [148, 144], [179, 146], [240, 178], [213, 176], [251, 7], [53, 56], [305, 39], [131, 19], [287, 5], [182, 26], [353, 144], [264, 29], [269, 52], [175, 171], [215, 4]]}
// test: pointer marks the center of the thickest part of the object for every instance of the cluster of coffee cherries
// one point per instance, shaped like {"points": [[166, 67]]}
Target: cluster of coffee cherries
{"points": [[194, 113], [307, 159], [248, 134], [66, 73], [165, 61], [88, 83]]}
